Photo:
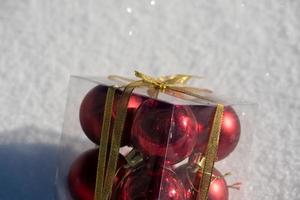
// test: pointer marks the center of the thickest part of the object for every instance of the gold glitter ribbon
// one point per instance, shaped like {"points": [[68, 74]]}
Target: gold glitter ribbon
{"points": [[106, 171], [172, 85], [104, 142], [211, 153]]}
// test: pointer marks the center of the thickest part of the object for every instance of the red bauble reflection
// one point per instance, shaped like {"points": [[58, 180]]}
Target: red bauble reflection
{"points": [[164, 130], [82, 175], [92, 110], [147, 184], [230, 130], [218, 189]]}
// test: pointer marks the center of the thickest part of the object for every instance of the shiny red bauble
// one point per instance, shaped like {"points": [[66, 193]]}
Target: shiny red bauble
{"points": [[191, 179], [82, 175], [147, 184], [230, 129], [164, 130], [92, 110]]}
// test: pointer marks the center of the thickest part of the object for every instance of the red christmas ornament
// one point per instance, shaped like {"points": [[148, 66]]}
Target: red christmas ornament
{"points": [[164, 130], [82, 175], [230, 129], [92, 110], [147, 184], [191, 178]]}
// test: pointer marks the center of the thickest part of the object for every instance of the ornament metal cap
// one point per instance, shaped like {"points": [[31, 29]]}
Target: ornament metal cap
{"points": [[134, 158]]}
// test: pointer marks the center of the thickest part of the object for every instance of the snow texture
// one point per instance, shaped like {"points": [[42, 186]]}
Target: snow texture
{"points": [[247, 49]]}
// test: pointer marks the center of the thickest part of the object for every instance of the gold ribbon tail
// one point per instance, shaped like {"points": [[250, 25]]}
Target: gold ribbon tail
{"points": [[104, 143], [116, 141], [211, 153]]}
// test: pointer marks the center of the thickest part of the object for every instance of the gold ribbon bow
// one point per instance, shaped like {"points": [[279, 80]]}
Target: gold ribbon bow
{"points": [[172, 85]]}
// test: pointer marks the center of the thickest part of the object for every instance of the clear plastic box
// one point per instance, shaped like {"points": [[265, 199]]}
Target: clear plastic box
{"points": [[162, 145]]}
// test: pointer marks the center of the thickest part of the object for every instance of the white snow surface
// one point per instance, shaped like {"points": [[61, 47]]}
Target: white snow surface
{"points": [[246, 49]]}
